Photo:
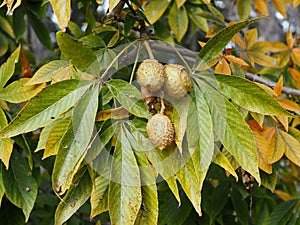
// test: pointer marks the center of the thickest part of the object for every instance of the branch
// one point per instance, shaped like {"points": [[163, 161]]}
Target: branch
{"points": [[286, 90], [190, 56]]}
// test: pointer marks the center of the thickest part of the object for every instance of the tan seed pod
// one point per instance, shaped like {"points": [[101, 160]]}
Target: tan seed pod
{"points": [[177, 81], [150, 74], [160, 130]]}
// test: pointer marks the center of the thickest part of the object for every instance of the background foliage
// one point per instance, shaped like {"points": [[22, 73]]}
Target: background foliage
{"points": [[74, 146]]}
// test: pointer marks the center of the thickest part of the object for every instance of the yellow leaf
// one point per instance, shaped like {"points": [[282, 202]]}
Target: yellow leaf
{"points": [[222, 161], [117, 113], [261, 46], [284, 121], [261, 6], [250, 58], [113, 4], [237, 39], [201, 43], [3, 105], [280, 7], [262, 59], [283, 195], [6, 144], [277, 147], [212, 31], [289, 39], [296, 3], [223, 68], [250, 37], [283, 58], [292, 148], [236, 60], [289, 105], [296, 76], [259, 118], [296, 56], [263, 151], [155, 9], [62, 10], [278, 87], [277, 47]]}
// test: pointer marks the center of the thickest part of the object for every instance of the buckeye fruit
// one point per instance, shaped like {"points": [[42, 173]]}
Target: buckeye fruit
{"points": [[160, 130], [177, 81], [150, 74]]}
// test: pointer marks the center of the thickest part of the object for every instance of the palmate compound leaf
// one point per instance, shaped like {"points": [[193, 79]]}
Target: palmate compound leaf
{"points": [[124, 195], [46, 107], [219, 41], [230, 128], [76, 196], [246, 94], [19, 184], [73, 147]]}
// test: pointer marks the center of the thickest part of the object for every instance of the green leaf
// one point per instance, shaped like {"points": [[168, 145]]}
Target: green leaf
{"points": [[244, 9], [240, 205], [219, 193], [100, 142], [129, 97], [17, 92], [200, 129], [231, 129], [40, 29], [44, 135], [19, 23], [281, 212], [20, 186], [51, 71], [125, 196], [219, 41], [247, 95], [269, 180], [7, 69], [191, 181], [4, 45], [165, 162], [6, 144], [46, 106], [75, 197], [6, 27], [101, 165], [178, 20], [155, 9], [179, 119], [62, 10], [74, 145], [169, 210], [148, 214], [80, 55], [2, 188], [199, 21], [55, 137]]}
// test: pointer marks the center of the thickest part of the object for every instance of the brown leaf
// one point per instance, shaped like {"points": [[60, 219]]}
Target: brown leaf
{"points": [[26, 69]]}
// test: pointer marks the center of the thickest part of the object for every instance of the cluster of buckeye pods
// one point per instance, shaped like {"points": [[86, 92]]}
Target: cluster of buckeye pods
{"points": [[170, 81]]}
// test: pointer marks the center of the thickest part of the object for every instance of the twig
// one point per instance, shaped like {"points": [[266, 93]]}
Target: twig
{"points": [[286, 90]]}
